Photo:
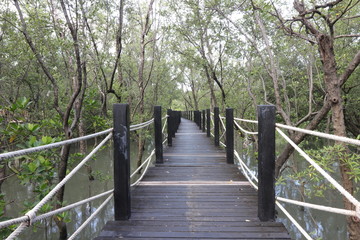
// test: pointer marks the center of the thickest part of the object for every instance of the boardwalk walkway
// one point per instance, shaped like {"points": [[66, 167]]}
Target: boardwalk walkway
{"points": [[194, 194]]}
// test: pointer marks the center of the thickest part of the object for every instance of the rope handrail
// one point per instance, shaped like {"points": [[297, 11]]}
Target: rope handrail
{"points": [[90, 218], [141, 125], [318, 207], [340, 188], [148, 160], [138, 169], [222, 122], [320, 134], [164, 127], [52, 145], [18, 220], [246, 120], [297, 225], [245, 131], [32, 213]]}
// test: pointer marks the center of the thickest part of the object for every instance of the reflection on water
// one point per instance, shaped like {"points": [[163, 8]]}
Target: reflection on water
{"points": [[319, 224], [78, 188]]}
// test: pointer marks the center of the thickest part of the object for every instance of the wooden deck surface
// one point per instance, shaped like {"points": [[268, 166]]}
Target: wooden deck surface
{"points": [[194, 194]]}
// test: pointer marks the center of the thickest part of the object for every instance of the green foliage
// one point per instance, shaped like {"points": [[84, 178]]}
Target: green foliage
{"points": [[328, 158]]}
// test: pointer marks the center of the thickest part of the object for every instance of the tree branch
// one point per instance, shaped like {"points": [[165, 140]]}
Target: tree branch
{"points": [[350, 69]]}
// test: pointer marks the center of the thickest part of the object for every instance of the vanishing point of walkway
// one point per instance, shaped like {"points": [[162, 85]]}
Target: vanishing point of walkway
{"points": [[194, 194]]}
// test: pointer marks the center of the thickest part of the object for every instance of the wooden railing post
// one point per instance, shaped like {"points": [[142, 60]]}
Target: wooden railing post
{"points": [[203, 120], [266, 162], [121, 138], [208, 122], [158, 134], [173, 123], [169, 127], [199, 119], [230, 135], [216, 126]]}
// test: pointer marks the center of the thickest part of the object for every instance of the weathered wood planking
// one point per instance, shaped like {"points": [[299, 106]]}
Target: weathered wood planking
{"points": [[194, 194]]}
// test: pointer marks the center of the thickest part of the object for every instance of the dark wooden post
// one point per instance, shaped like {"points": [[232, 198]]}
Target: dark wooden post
{"points": [[230, 135], [216, 126], [158, 134], [121, 138], [208, 122], [203, 120], [266, 162], [173, 123], [199, 119], [169, 126]]}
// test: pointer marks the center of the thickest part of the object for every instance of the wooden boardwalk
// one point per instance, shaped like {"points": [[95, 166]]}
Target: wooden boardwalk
{"points": [[194, 194]]}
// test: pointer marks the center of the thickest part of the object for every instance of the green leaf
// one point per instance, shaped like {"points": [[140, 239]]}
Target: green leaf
{"points": [[32, 167]]}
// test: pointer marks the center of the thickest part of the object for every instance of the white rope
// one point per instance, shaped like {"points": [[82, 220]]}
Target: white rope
{"points": [[318, 207], [141, 125], [17, 231], [245, 172], [147, 166], [165, 117], [222, 123], [31, 215], [148, 159], [222, 144], [51, 145], [13, 221], [222, 135], [297, 225], [246, 120], [245, 131], [52, 213], [90, 218], [325, 174], [320, 134], [164, 126], [71, 206]]}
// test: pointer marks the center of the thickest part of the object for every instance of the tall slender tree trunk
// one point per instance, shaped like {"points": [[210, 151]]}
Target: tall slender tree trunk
{"points": [[333, 88]]}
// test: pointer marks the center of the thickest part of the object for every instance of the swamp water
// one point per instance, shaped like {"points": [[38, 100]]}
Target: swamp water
{"points": [[78, 188], [318, 224]]}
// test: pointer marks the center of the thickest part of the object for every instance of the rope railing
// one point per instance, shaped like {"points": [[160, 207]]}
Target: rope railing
{"points": [[340, 188], [147, 161], [141, 125], [243, 130], [31, 215], [52, 145], [91, 217], [320, 134], [246, 120], [245, 171]]}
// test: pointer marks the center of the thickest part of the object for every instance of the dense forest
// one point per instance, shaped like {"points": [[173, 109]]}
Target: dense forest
{"points": [[64, 63]]}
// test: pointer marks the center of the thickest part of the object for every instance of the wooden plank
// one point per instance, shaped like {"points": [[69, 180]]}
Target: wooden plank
{"points": [[194, 194]]}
